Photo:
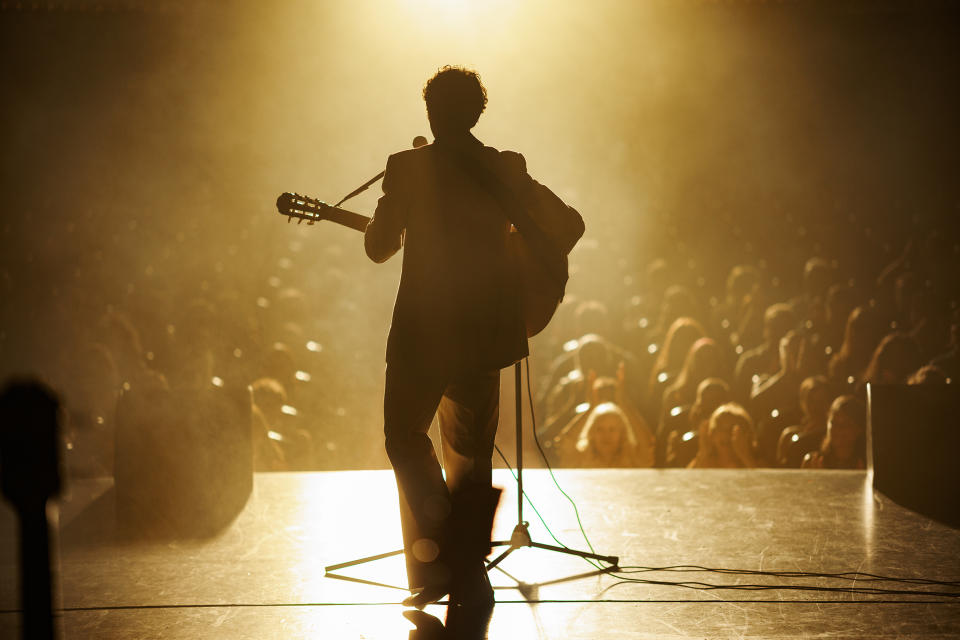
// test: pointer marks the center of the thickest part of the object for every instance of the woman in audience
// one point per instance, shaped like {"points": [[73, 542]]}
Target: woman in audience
{"points": [[779, 391], [560, 439], [815, 399], [818, 275], [759, 363], [593, 357], [895, 358], [733, 312], [774, 402], [608, 440], [726, 441], [681, 336], [703, 361], [840, 301], [682, 446], [678, 302], [844, 446], [863, 332]]}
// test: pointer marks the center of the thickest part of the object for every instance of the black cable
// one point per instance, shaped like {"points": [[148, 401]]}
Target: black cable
{"points": [[854, 576], [707, 586]]}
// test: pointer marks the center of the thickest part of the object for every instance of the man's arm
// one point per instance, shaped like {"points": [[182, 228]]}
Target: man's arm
{"points": [[561, 222], [384, 234]]}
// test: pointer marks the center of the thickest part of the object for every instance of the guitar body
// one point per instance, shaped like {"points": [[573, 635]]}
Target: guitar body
{"points": [[541, 291]]}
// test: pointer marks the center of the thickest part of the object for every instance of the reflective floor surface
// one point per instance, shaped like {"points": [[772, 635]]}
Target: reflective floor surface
{"points": [[263, 575]]}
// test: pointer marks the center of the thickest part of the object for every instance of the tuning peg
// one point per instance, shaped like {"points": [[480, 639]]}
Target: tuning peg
{"points": [[289, 218]]}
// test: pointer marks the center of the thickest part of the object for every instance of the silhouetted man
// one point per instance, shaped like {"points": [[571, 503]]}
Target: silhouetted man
{"points": [[456, 322]]}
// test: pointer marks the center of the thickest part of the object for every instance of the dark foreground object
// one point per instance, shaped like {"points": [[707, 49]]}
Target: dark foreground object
{"points": [[29, 460], [914, 444], [262, 577]]}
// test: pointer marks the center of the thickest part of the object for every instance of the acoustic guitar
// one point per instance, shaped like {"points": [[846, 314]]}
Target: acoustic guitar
{"points": [[541, 289]]}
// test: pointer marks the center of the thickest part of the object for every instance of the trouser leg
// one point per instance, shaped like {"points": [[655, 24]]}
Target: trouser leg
{"points": [[411, 397], [468, 415]]}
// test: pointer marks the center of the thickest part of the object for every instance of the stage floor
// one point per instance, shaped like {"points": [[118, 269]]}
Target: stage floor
{"points": [[263, 576]]}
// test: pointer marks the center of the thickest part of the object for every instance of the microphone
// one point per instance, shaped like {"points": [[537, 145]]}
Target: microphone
{"points": [[419, 141]]}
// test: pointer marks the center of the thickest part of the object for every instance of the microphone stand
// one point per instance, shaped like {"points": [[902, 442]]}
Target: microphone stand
{"points": [[521, 532]]}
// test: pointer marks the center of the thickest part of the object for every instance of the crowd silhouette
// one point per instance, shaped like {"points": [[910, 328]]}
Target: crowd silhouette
{"points": [[668, 351], [758, 374]]}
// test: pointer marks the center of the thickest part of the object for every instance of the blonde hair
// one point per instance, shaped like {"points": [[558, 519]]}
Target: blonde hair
{"points": [[604, 409]]}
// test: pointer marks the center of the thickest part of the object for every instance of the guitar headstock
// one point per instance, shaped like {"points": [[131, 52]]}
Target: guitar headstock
{"points": [[294, 205]]}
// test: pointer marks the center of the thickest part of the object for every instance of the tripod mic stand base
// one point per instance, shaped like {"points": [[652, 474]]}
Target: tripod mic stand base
{"points": [[521, 535], [521, 538]]}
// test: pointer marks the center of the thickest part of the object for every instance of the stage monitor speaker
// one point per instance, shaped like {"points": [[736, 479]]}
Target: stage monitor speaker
{"points": [[184, 460], [914, 444]]}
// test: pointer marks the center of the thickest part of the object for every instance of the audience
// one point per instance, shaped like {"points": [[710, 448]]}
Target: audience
{"points": [[712, 352]]}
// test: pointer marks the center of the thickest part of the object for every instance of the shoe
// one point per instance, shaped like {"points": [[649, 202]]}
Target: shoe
{"points": [[471, 605], [469, 526], [428, 627]]}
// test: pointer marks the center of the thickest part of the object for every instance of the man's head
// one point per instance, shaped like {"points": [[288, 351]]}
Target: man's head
{"points": [[455, 99]]}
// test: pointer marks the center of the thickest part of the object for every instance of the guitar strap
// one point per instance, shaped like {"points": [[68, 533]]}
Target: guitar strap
{"points": [[540, 244]]}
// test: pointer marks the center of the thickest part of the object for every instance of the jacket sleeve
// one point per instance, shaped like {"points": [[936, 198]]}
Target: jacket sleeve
{"points": [[384, 234], [561, 222]]}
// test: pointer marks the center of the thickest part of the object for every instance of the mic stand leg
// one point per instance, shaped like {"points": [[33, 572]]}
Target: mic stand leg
{"points": [[521, 532]]}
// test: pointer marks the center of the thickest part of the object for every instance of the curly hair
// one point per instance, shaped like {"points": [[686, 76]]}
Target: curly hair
{"points": [[455, 99]]}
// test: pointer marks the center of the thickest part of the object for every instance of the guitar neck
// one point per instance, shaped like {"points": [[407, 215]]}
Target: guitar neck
{"points": [[346, 218]]}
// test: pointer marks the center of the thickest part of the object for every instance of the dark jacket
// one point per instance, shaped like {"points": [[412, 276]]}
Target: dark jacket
{"points": [[457, 304]]}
